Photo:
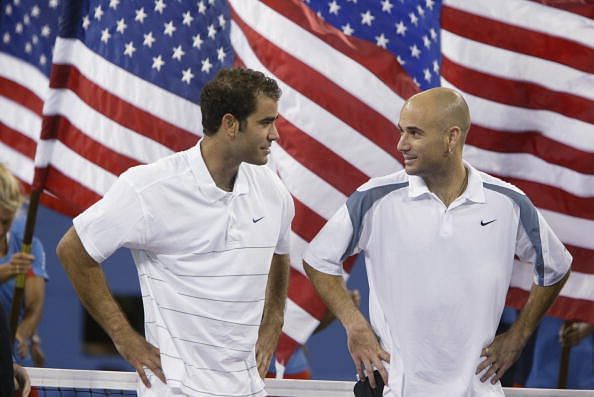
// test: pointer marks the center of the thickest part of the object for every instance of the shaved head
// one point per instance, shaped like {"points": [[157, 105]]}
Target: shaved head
{"points": [[442, 108]]}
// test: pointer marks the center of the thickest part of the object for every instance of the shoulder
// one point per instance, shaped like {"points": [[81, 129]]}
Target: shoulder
{"points": [[499, 187], [394, 181], [375, 190], [266, 177]]}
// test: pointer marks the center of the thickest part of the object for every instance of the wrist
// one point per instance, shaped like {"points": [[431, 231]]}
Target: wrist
{"points": [[36, 340]]}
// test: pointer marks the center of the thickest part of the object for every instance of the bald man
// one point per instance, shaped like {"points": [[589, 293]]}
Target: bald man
{"points": [[439, 240]]}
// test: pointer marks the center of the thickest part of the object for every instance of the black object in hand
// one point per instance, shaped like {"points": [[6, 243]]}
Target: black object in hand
{"points": [[364, 389]]}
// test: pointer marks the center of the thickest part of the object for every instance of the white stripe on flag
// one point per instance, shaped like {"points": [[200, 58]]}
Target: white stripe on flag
{"points": [[24, 74], [299, 324], [19, 164], [570, 229], [20, 118]]}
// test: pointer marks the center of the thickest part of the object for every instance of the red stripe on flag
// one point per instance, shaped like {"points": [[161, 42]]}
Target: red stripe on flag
{"points": [[316, 87], [554, 199], [286, 347], [517, 93], [306, 222], [584, 8], [377, 60], [531, 142], [75, 196], [118, 110], [21, 95], [583, 259], [17, 141], [94, 151], [517, 39], [319, 159], [564, 307], [302, 292]]}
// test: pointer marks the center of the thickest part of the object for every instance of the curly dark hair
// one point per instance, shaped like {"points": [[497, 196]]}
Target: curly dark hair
{"points": [[234, 91]]}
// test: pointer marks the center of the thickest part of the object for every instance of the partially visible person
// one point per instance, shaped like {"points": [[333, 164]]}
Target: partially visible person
{"points": [[14, 262], [297, 367], [439, 240], [572, 333], [209, 231], [12, 376]]}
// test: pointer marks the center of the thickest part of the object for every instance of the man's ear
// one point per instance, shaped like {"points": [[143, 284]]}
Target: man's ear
{"points": [[454, 136], [229, 124]]}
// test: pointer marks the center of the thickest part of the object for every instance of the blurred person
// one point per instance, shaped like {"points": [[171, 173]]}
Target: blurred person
{"points": [[439, 240], [209, 232], [12, 376], [572, 333], [14, 262]]}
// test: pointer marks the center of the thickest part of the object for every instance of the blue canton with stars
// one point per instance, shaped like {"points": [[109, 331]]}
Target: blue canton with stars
{"points": [[178, 45], [407, 28], [28, 30]]}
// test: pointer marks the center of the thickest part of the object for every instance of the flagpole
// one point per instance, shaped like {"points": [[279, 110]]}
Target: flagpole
{"points": [[19, 288], [564, 364]]}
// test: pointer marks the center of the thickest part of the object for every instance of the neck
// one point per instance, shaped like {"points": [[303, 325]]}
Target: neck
{"points": [[219, 162], [448, 184]]}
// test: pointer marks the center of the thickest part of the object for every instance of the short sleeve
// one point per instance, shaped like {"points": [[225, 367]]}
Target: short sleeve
{"points": [[117, 220], [39, 268], [288, 213], [538, 244], [328, 249]]}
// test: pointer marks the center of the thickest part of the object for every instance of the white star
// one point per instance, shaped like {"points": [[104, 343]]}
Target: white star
{"points": [[19, 28], [16, 2], [6, 38], [26, 19], [86, 22], [46, 31], [140, 15], [8, 9], [381, 40], [387, 6], [211, 2], [197, 41], [426, 41], [401, 28], [400, 60], [178, 53], [433, 34], [129, 49], [98, 12], [28, 48], [421, 11], [201, 7], [416, 82], [188, 18], [346, 29], [149, 39], [413, 18], [415, 52], [157, 63], [105, 36], [114, 4], [187, 76], [367, 18], [35, 11], [159, 6], [34, 39], [222, 21], [212, 32], [221, 54], [436, 67], [169, 29], [319, 14], [333, 7], [206, 65], [53, 3], [429, 4], [121, 26], [427, 75], [42, 60]]}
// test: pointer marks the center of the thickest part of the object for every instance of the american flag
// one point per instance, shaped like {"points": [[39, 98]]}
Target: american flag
{"points": [[345, 67]]}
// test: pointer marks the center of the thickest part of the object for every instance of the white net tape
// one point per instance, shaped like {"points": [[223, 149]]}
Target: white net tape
{"points": [[126, 381]]}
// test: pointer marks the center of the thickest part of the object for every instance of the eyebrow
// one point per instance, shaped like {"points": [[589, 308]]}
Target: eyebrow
{"points": [[413, 128], [268, 119]]}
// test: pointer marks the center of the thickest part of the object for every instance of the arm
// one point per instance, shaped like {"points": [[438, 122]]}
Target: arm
{"points": [[34, 298], [571, 334], [90, 285], [329, 317], [507, 347], [362, 342], [274, 311]]}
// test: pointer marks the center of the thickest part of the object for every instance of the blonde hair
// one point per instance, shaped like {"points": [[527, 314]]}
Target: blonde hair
{"points": [[11, 197]]}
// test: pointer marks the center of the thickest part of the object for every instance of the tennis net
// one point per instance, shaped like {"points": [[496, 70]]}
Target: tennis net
{"points": [[81, 383]]}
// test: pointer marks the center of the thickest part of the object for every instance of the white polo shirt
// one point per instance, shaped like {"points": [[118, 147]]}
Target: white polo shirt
{"points": [[203, 257], [438, 276]]}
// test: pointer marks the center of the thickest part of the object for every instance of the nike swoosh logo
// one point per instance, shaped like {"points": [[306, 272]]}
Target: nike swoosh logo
{"points": [[483, 223], [256, 220]]}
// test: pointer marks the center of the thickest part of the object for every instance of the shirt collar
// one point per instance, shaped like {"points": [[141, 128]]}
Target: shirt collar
{"points": [[474, 189], [206, 184]]}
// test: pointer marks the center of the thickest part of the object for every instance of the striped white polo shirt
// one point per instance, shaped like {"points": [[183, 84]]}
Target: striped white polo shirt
{"points": [[203, 257], [438, 276]]}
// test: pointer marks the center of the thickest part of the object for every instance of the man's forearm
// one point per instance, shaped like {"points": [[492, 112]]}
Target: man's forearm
{"points": [[336, 296], [88, 280], [276, 291], [539, 301]]}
